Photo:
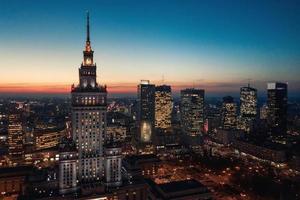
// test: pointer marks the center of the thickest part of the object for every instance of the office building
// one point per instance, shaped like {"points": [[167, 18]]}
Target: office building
{"points": [[192, 111], [163, 107], [248, 108], [229, 113], [192, 116], [248, 98], [15, 140], [117, 131], [45, 139], [277, 108], [146, 111]]}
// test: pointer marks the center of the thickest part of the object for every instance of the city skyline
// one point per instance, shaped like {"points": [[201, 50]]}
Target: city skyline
{"points": [[227, 136], [212, 46]]}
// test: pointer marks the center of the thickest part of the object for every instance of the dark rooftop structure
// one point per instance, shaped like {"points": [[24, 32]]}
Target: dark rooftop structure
{"points": [[179, 190], [137, 159], [180, 186]]}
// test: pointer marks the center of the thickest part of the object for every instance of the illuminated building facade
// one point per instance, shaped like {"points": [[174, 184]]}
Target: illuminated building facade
{"points": [[192, 111], [163, 107], [248, 108], [277, 108], [248, 98], [229, 113], [117, 132], [89, 118], [68, 160], [15, 139], [146, 111], [113, 165], [47, 138]]}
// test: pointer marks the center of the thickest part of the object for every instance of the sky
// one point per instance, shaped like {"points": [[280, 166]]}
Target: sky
{"points": [[215, 45]]}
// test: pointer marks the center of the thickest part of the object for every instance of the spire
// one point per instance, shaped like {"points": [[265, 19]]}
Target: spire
{"points": [[88, 26], [88, 47]]}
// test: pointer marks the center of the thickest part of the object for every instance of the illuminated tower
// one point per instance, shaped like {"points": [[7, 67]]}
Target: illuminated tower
{"points": [[89, 118], [229, 109], [163, 107], [248, 108], [192, 111], [277, 108], [15, 139], [146, 111], [248, 98]]}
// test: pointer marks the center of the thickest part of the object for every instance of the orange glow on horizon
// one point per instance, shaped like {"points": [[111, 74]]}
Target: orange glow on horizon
{"points": [[114, 88]]}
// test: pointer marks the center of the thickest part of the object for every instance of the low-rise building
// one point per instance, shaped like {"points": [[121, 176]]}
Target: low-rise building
{"points": [[136, 166]]}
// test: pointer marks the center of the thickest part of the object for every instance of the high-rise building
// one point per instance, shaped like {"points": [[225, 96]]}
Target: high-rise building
{"points": [[192, 111], [229, 110], [15, 139], [163, 107], [89, 118], [277, 108], [146, 111], [248, 108], [248, 98]]}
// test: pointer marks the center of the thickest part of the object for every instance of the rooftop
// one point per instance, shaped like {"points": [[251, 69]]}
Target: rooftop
{"points": [[180, 186], [133, 159]]}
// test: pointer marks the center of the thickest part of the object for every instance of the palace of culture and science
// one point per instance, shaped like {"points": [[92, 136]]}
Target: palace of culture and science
{"points": [[91, 156]]}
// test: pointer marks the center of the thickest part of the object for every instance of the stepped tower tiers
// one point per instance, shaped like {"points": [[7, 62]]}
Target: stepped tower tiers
{"points": [[89, 118]]}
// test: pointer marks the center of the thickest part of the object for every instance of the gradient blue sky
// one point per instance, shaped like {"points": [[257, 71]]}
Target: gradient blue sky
{"points": [[215, 45]]}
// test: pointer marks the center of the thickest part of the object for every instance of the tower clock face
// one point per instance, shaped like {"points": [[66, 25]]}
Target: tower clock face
{"points": [[88, 61]]}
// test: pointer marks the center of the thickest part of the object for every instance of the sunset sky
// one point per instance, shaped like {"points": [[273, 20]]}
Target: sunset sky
{"points": [[214, 45]]}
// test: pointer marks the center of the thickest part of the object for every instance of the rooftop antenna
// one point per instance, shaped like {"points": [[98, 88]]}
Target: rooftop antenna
{"points": [[249, 79]]}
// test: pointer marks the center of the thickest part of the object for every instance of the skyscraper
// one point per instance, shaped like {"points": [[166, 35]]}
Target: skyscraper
{"points": [[229, 108], [146, 111], [163, 107], [248, 98], [89, 118], [15, 139], [192, 111], [277, 108], [248, 108]]}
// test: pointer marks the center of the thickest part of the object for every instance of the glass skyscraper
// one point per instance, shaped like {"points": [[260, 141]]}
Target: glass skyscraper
{"points": [[146, 111], [277, 108], [192, 111]]}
